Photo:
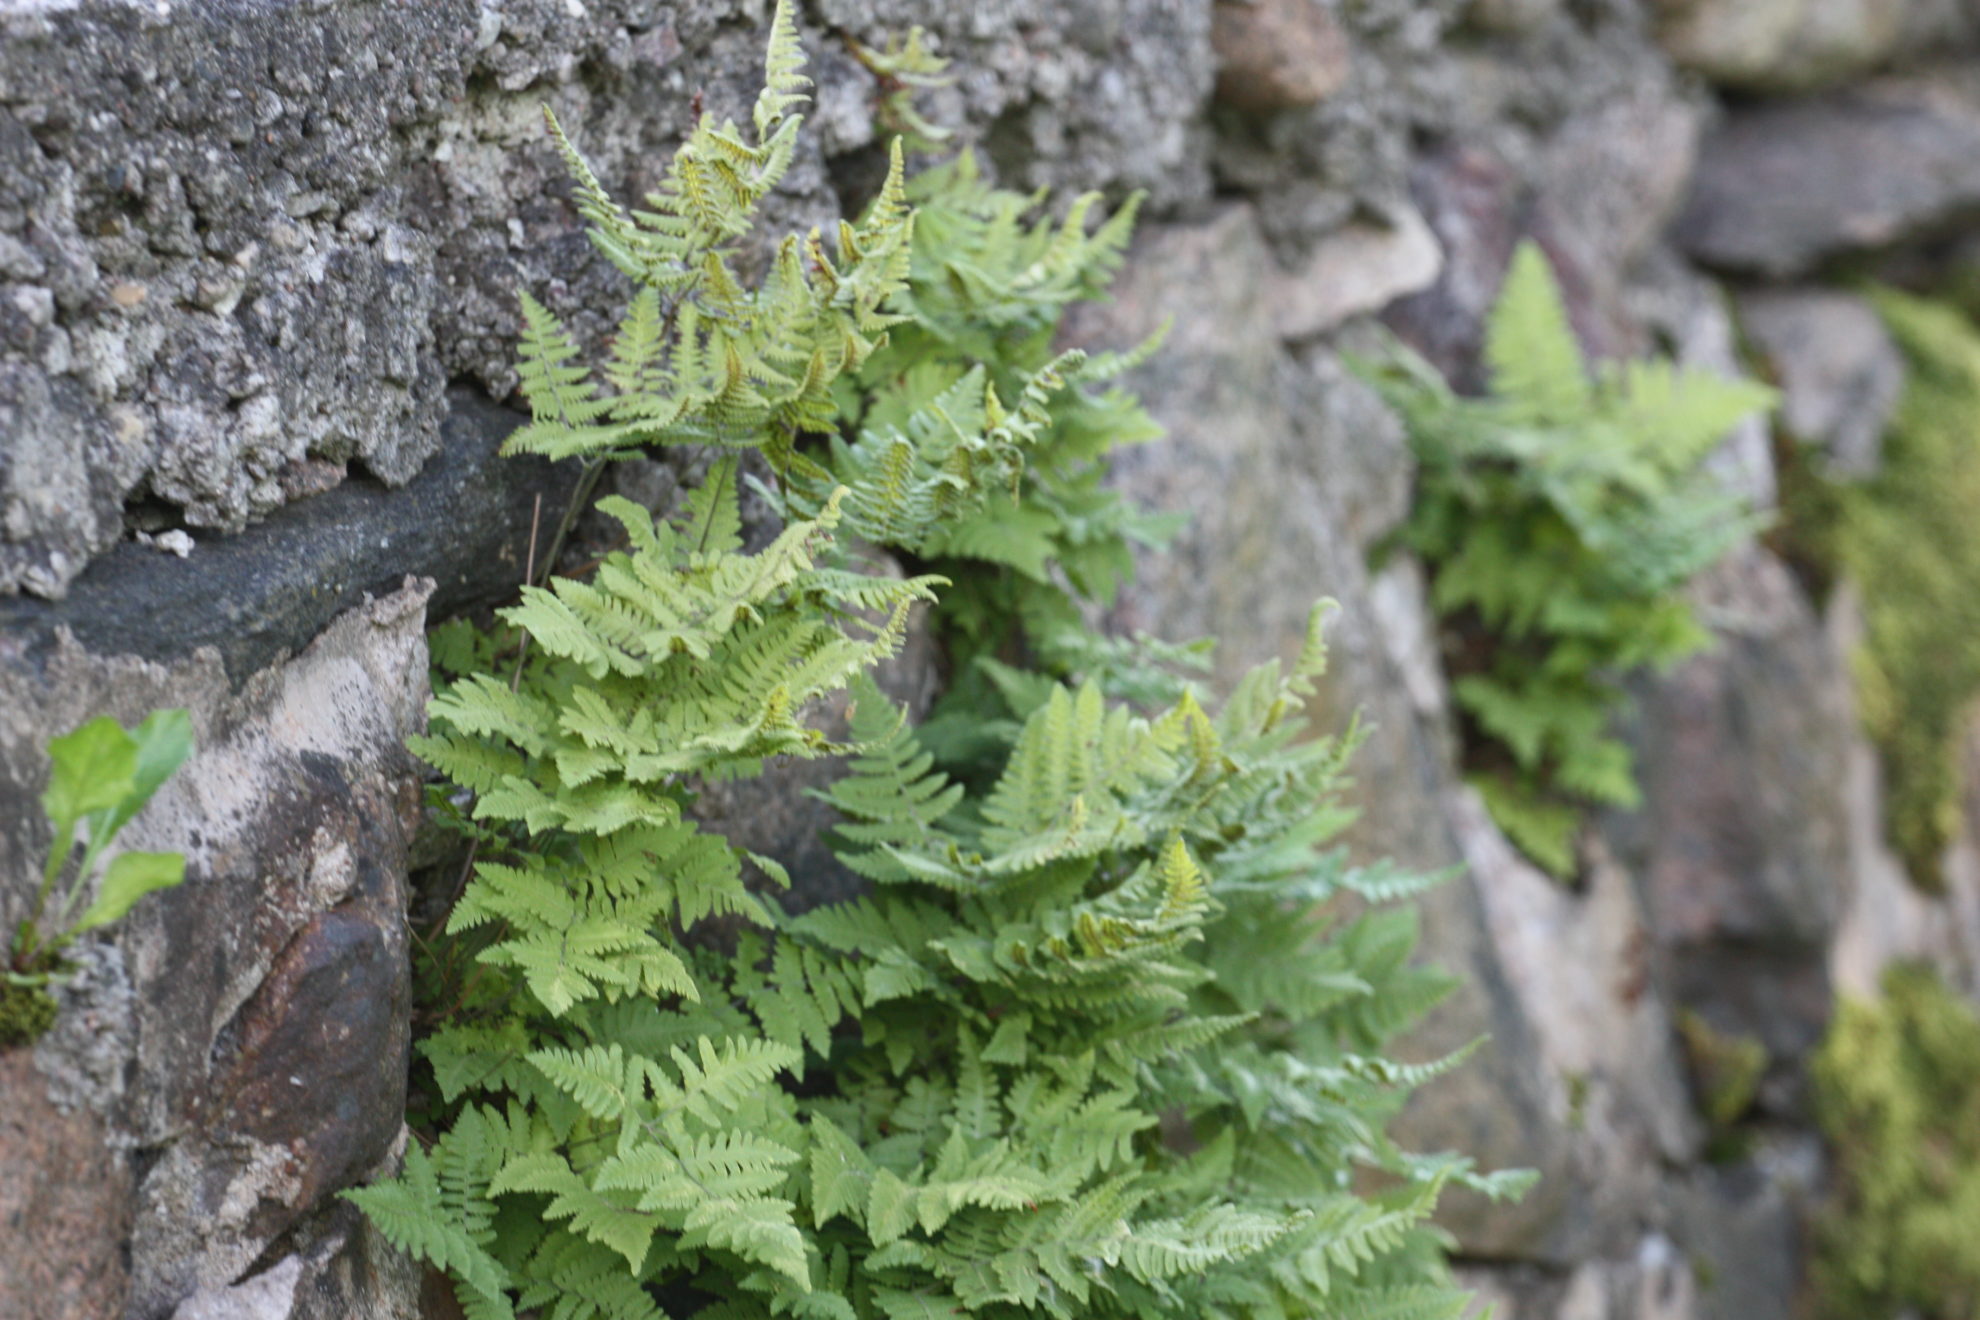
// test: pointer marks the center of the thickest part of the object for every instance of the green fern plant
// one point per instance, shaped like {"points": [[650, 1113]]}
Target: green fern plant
{"points": [[700, 356], [990, 280], [1560, 518], [1103, 1039]]}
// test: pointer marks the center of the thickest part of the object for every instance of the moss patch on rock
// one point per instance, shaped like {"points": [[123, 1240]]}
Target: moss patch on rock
{"points": [[26, 1013], [1727, 1068], [1897, 1087], [1910, 538]]}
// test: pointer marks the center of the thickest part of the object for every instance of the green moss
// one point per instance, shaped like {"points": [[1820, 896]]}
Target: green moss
{"points": [[26, 1013], [1726, 1067], [1910, 538], [1898, 1091]]}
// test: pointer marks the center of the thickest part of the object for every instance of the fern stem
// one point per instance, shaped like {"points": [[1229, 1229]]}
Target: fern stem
{"points": [[587, 482]]}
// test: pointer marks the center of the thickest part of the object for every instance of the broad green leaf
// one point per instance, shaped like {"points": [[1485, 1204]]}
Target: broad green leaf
{"points": [[130, 877], [95, 767], [164, 741]]}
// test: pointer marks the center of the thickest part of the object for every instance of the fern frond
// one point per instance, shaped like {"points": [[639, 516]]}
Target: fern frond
{"points": [[1538, 372], [783, 85]]}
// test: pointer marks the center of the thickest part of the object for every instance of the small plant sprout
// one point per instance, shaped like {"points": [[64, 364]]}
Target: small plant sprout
{"points": [[102, 776]]}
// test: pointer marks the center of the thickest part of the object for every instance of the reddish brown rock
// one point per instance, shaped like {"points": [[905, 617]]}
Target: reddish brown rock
{"points": [[1278, 54], [64, 1204]]}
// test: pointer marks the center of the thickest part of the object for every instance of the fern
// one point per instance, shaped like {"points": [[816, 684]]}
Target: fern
{"points": [[1560, 517], [1095, 944], [988, 447], [701, 358], [1060, 940]]}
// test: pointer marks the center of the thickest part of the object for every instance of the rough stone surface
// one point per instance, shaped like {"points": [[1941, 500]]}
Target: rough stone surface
{"points": [[245, 246], [1885, 918], [1511, 16], [465, 522], [1742, 1227], [1574, 968], [237, 1050], [1741, 851], [64, 1202], [1839, 372], [1784, 187]]}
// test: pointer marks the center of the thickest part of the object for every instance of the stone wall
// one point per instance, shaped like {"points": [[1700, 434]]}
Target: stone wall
{"points": [[257, 264]]}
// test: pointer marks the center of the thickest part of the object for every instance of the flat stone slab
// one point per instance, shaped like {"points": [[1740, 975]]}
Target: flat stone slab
{"points": [[464, 521], [1785, 187]]}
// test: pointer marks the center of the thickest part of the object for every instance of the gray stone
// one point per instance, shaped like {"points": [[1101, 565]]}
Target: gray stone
{"points": [[338, 1268], [1886, 918], [1511, 16], [1784, 187], [1740, 849], [1610, 179], [235, 1049], [1472, 200], [464, 522], [269, 234], [1839, 371], [1742, 1226], [269, 1295], [1604, 1105], [1647, 1281]]}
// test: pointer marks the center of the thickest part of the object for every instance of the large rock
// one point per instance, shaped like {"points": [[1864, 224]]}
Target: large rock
{"points": [[1839, 371], [65, 1202], [235, 1051], [1473, 201], [1784, 187], [1066, 94], [1784, 45], [1605, 1105], [1596, 201], [466, 522], [1512, 16], [1742, 1225], [242, 248], [1740, 850], [1360, 268]]}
